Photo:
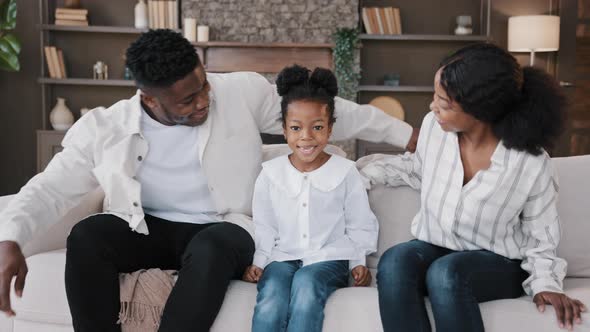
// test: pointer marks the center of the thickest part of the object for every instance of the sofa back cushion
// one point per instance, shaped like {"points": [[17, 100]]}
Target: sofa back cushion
{"points": [[396, 207], [574, 212]]}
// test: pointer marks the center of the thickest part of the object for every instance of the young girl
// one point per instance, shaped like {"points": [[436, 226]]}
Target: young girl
{"points": [[311, 212], [488, 224]]}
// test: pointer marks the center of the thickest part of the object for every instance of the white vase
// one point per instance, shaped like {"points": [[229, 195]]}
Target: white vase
{"points": [[141, 15], [61, 117]]}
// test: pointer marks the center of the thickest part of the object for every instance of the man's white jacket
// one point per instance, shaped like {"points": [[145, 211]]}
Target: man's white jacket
{"points": [[106, 147]]}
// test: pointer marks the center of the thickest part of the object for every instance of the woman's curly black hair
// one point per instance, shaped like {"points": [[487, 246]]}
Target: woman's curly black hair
{"points": [[295, 83], [158, 58], [524, 105]]}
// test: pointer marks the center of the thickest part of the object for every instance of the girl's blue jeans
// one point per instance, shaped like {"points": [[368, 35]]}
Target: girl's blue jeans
{"points": [[291, 297]]}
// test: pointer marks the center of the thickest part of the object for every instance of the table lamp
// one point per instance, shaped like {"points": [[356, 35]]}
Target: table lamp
{"points": [[533, 33]]}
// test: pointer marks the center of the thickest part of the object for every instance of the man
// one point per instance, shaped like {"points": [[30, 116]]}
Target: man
{"points": [[177, 163]]}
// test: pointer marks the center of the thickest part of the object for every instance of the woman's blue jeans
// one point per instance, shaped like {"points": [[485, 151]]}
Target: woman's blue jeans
{"points": [[454, 281], [292, 297]]}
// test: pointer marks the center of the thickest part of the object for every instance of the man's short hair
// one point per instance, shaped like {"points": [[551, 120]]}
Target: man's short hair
{"points": [[159, 58]]}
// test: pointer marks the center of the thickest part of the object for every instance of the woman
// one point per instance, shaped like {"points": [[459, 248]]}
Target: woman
{"points": [[488, 224]]}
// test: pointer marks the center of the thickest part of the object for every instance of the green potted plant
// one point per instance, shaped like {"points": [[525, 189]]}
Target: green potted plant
{"points": [[346, 67], [9, 44]]}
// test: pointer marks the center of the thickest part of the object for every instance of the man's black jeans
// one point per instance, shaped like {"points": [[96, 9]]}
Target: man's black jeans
{"points": [[102, 246]]}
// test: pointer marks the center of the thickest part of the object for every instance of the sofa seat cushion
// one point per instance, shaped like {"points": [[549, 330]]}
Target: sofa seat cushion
{"points": [[357, 309], [348, 309], [44, 297]]}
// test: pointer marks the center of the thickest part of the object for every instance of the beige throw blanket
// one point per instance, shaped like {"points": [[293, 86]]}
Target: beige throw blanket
{"points": [[143, 296]]}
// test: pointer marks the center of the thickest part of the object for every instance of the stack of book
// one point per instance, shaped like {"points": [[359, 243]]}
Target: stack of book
{"points": [[69, 16], [163, 14], [55, 62], [382, 20]]}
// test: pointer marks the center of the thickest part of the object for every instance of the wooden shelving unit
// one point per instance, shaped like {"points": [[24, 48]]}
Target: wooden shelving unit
{"points": [[85, 82], [401, 88], [94, 28], [415, 37], [415, 54], [106, 39]]}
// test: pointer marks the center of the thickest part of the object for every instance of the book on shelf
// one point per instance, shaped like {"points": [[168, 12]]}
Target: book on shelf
{"points": [[151, 14], [381, 20], [380, 24], [49, 62], [366, 22], [71, 11], [172, 14], [390, 20], [373, 20], [163, 14], [385, 21], [398, 21], [55, 62], [71, 17], [62, 65], [71, 22]]}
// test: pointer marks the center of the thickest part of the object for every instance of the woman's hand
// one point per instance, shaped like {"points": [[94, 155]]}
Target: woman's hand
{"points": [[413, 142], [252, 274], [361, 276], [568, 310]]}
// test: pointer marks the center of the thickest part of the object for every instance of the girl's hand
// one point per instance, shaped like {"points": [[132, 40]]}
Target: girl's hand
{"points": [[361, 276], [252, 274], [567, 309]]}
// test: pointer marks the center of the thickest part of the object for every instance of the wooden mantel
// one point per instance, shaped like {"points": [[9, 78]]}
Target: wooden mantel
{"points": [[224, 57]]}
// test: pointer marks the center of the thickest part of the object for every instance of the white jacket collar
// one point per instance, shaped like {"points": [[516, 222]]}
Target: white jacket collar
{"points": [[131, 120], [129, 116], [284, 175]]}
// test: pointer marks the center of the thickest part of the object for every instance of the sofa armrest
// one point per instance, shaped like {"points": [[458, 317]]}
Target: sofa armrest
{"points": [[55, 237]]}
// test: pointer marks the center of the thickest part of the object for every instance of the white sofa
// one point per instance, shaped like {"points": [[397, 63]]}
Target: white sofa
{"points": [[44, 305]]}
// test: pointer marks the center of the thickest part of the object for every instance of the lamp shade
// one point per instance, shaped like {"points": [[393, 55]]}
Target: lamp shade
{"points": [[533, 33]]}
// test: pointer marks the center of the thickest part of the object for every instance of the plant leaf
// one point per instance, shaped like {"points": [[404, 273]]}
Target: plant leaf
{"points": [[13, 41], [8, 15], [8, 56]]}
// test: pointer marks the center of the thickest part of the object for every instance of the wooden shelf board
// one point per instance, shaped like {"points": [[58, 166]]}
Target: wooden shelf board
{"points": [[261, 45], [94, 28], [412, 37], [86, 81], [402, 88]]}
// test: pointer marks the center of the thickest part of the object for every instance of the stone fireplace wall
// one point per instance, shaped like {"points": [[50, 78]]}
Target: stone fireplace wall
{"points": [[287, 21], [275, 21]]}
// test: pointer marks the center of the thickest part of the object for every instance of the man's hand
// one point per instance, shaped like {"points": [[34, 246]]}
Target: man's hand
{"points": [[252, 274], [361, 276], [12, 263], [567, 309], [413, 142]]}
